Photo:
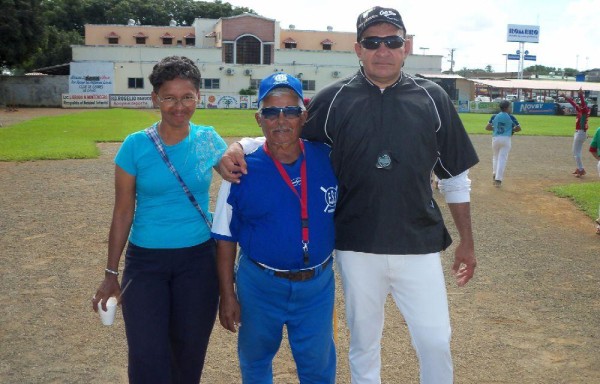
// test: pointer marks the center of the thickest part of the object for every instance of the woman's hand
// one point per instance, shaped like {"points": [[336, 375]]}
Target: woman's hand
{"points": [[108, 288]]}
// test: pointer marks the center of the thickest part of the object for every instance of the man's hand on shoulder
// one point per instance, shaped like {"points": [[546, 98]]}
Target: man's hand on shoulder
{"points": [[232, 165]]}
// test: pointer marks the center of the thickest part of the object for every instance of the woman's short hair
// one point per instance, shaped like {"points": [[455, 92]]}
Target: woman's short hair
{"points": [[174, 67]]}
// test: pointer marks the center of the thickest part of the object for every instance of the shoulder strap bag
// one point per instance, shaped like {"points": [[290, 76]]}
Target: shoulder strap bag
{"points": [[153, 135]]}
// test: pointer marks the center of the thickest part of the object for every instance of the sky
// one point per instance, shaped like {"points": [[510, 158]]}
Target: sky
{"points": [[475, 31]]}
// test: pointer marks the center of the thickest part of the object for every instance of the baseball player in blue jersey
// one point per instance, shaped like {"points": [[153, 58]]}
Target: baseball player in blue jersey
{"points": [[503, 125], [282, 217]]}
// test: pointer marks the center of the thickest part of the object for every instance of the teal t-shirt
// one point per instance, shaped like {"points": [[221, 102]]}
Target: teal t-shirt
{"points": [[164, 216], [503, 124]]}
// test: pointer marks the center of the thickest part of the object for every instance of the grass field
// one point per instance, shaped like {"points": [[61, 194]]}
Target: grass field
{"points": [[74, 136], [585, 196]]}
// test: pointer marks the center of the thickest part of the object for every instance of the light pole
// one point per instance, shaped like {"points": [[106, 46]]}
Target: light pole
{"points": [[423, 49], [505, 63], [451, 61]]}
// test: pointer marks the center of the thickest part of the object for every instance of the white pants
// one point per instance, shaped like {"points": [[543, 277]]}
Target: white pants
{"points": [[578, 140], [417, 285], [501, 147]]}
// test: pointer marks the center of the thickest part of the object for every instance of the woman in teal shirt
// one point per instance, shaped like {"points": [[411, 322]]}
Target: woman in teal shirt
{"points": [[171, 302]]}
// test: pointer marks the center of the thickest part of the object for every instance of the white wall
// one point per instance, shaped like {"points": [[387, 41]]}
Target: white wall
{"points": [[323, 67]]}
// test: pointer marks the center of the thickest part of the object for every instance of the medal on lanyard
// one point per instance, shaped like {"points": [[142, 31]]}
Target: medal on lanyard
{"points": [[302, 197]]}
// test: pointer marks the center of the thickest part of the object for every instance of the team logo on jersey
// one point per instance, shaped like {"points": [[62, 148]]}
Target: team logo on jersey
{"points": [[384, 161], [330, 198]]}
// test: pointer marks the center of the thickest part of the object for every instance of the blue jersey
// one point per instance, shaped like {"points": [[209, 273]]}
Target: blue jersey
{"points": [[265, 212], [164, 216], [503, 124]]}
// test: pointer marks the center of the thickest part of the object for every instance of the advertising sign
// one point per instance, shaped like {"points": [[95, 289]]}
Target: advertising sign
{"points": [[94, 77], [523, 33], [85, 101], [521, 108], [131, 101]]}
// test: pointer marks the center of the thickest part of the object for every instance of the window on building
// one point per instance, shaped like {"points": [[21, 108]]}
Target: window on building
{"points": [[267, 54], [140, 40], [308, 85], [179, 42], [327, 44], [167, 41], [248, 50], [211, 84], [289, 43], [255, 83], [135, 82], [228, 53], [113, 38], [190, 41]]}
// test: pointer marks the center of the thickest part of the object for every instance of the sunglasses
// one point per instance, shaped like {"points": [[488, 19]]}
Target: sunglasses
{"points": [[272, 113], [392, 42]]}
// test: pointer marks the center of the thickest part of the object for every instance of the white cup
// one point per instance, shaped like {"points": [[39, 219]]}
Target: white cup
{"points": [[108, 316]]}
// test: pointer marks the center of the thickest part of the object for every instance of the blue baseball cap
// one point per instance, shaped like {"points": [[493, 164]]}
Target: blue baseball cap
{"points": [[279, 80]]}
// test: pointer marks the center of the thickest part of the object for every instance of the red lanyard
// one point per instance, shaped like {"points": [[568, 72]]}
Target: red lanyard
{"points": [[303, 196]]}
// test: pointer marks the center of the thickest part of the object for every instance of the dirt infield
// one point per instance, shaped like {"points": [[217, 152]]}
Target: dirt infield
{"points": [[531, 314]]}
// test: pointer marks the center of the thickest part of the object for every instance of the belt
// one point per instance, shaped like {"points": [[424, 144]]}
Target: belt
{"points": [[301, 275]]}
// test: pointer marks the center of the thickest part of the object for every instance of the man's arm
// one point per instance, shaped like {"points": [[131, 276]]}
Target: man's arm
{"points": [[456, 191], [464, 255], [572, 102], [229, 307], [582, 99], [233, 165]]}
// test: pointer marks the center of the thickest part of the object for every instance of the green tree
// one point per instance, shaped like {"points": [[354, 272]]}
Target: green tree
{"points": [[21, 31], [571, 71], [56, 48], [161, 12], [39, 33]]}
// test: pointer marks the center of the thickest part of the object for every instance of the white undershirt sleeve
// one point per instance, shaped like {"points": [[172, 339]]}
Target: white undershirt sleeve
{"points": [[456, 189], [223, 211], [250, 144]]}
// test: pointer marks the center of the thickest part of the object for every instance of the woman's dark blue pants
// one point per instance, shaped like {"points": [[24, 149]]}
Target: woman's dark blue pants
{"points": [[169, 311]]}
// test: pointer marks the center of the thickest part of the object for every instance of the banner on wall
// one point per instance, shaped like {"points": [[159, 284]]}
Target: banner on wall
{"points": [[484, 107], [131, 101], [463, 106], [91, 77], [91, 100], [522, 108], [85, 101]]}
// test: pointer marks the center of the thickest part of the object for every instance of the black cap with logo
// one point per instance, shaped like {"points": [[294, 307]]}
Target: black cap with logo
{"points": [[377, 15]]}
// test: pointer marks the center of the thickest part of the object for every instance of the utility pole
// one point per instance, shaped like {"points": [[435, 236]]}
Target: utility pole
{"points": [[452, 59]]}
